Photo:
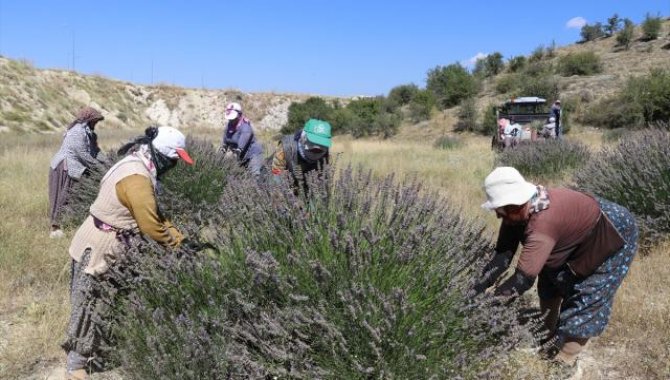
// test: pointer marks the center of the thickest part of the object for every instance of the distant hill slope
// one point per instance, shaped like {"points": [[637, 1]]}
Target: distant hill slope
{"points": [[38, 100], [618, 65], [35, 100]]}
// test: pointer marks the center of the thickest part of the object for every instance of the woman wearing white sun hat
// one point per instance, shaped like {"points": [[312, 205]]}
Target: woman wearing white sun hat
{"points": [[578, 247], [124, 208], [239, 139]]}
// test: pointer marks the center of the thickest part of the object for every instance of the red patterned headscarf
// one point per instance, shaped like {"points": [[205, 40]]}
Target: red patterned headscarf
{"points": [[87, 115]]}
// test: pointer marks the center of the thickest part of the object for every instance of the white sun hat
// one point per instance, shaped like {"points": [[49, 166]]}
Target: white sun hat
{"points": [[233, 110], [506, 186], [171, 143]]}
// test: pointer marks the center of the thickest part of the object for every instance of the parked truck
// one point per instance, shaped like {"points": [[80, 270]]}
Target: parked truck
{"points": [[526, 112]]}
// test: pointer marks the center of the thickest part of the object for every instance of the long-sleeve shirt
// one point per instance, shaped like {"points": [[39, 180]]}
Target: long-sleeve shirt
{"points": [[551, 237], [239, 136], [136, 193], [79, 150]]}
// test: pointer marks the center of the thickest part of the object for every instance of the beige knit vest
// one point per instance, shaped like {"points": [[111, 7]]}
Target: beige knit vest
{"points": [[104, 245]]}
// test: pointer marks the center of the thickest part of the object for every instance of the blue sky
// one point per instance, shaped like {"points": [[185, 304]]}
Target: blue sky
{"points": [[319, 47]]}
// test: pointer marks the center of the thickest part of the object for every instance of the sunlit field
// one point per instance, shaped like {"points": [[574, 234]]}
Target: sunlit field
{"points": [[34, 270]]}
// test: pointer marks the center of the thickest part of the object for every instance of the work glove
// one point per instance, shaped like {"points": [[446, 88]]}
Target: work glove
{"points": [[193, 246], [498, 264]]}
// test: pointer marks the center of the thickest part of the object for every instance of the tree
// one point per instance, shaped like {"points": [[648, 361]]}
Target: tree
{"points": [[403, 94], [313, 108], [592, 32], [421, 106], [613, 25], [451, 84], [490, 65], [651, 27], [625, 35], [467, 116], [516, 64], [580, 63]]}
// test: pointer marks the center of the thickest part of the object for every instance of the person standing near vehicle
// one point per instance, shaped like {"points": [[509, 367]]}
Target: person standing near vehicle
{"points": [[239, 138], [578, 247], [79, 152], [304, 151], [556, 113], [549, 130], [510, 134], [124, 209]]}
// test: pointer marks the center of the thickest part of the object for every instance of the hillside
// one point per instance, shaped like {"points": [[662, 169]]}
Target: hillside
{"points": [[618, 65], [44, 100], [39, 100]]}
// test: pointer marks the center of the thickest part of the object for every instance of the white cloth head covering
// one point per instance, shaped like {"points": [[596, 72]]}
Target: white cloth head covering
{"points": [[506, 186]]}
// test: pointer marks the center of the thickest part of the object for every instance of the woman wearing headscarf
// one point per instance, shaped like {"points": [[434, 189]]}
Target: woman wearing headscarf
{"points": [[577, 246], [239, 138], [125, 208], [78, 153]]}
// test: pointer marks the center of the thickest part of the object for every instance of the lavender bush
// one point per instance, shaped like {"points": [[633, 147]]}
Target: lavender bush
{"points": [[544, 160], [635, 174], [364, 279], [195, 186], [84, 191]]}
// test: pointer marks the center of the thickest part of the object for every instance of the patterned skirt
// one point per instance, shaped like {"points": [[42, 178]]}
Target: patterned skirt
{"points": [[586, 310], [59, 187], [88, 332]]}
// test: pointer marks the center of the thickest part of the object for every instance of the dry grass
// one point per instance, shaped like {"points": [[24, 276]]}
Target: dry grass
{"points": [[34, 274]]}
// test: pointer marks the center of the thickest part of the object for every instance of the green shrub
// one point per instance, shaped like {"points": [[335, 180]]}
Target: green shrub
{"points": [[614, 112], [421, 106], [543, 86], [361, 117], [642, 100], [651, 27], [368, 280], [342, 120], [592, 32], [537, 55], [448, 142], [490, 65], [312, 108], [653, 94], [626, 35], [489, 125], [635, 174], [403, 94], [451, 84], [507, 83], [538, 69], [373, 116], [516, 64], [467, 116], [580, 63], [386, 124], [544, 160]]}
